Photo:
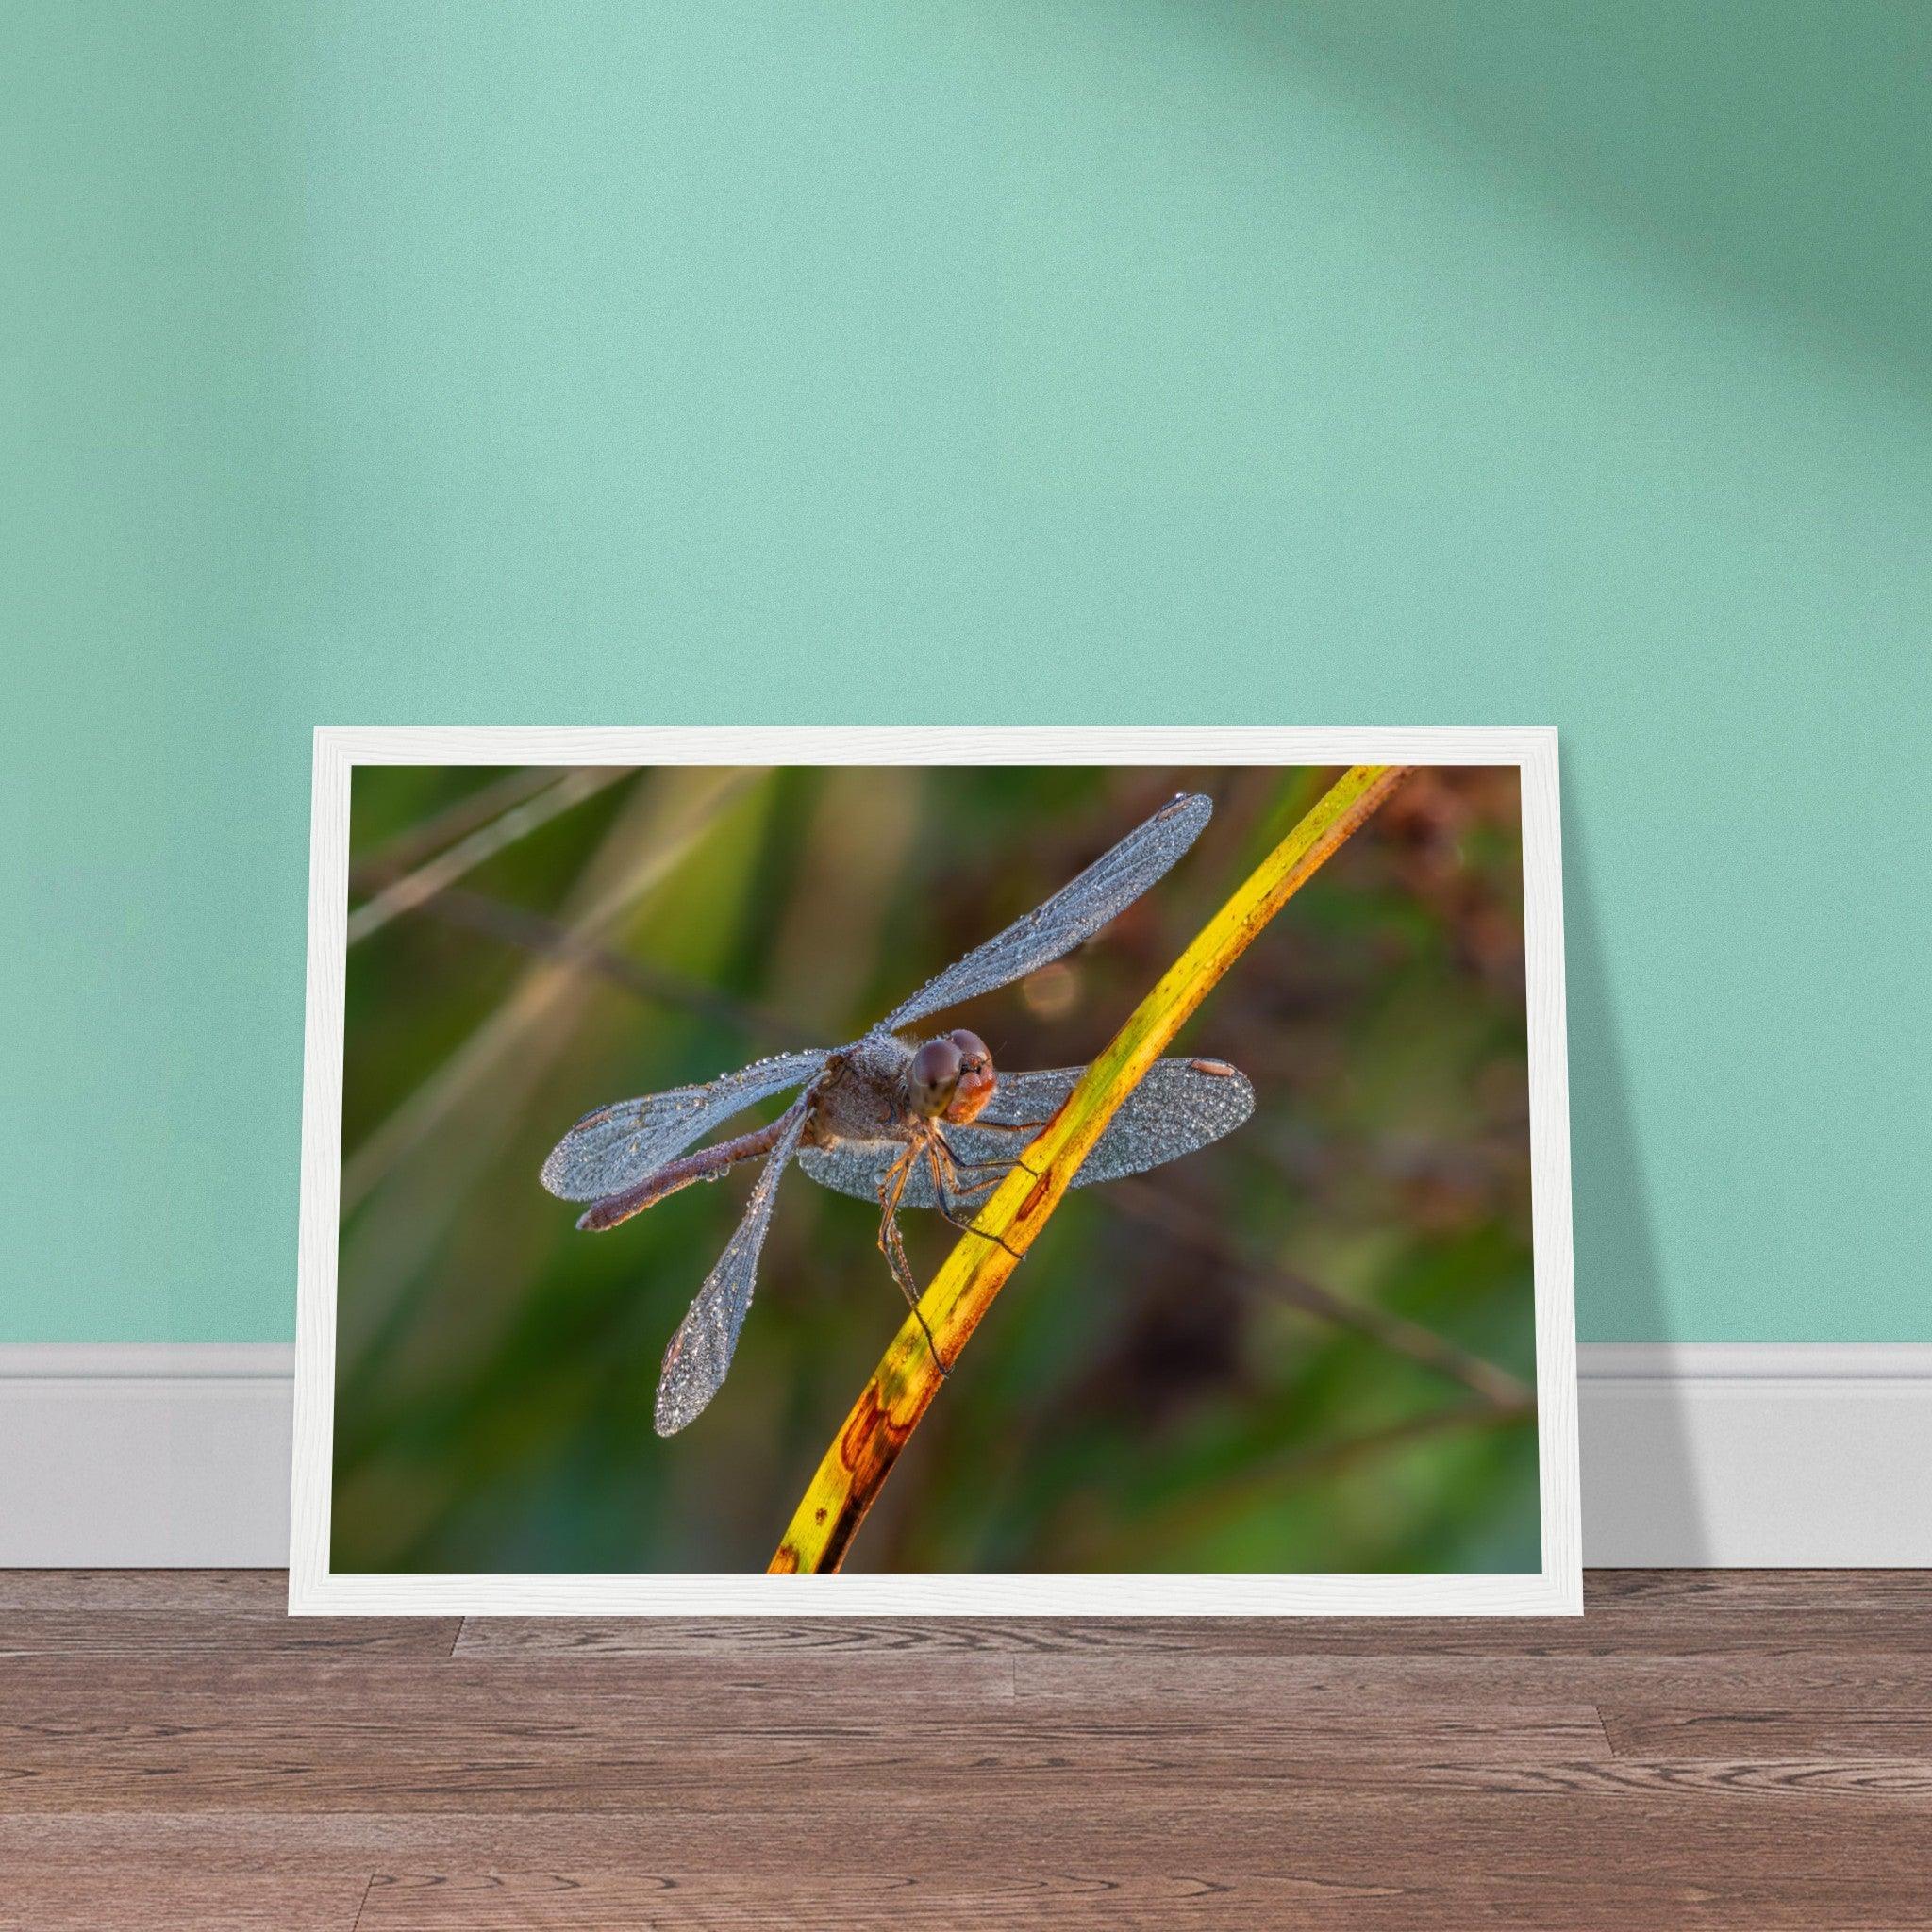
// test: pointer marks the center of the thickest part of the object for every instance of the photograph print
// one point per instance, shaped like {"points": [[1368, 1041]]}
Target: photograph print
{"points": [[1025, 1184]]}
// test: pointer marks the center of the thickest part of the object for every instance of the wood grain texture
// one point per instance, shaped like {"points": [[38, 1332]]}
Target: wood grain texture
{"points": [[1622, 1633], [1787, 1732], [1235, 1684], [222, 1613], [1700, 1751], [599, 1902]]}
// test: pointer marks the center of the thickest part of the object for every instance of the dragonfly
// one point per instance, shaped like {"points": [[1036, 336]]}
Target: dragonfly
{"points": [[908, 1124]]}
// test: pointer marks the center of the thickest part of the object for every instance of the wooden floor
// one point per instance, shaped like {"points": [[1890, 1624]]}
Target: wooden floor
{"points": [[1702, 1749]]}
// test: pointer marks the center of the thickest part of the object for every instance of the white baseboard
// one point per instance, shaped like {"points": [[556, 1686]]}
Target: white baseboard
{"points": [[1757, 1455], [1751, 1455], [164, 1454]]}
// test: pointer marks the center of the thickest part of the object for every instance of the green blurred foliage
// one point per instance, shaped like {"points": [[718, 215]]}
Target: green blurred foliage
{"points": [[1163, 1386]]}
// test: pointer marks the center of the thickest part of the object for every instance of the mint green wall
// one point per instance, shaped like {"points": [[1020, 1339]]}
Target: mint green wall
{"points": [[1453, 362]]}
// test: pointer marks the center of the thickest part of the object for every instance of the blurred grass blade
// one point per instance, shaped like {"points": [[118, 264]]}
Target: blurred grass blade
{"points": [[414, 889], [550, 939], [424, 837], [639, 851], [902, 1386]]}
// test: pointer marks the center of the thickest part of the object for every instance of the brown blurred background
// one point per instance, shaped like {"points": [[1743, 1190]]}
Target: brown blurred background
{"points": [[1307, 1348]]}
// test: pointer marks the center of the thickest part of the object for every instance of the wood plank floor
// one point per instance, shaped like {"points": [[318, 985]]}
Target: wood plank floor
{"points": [[1703, 1749]]}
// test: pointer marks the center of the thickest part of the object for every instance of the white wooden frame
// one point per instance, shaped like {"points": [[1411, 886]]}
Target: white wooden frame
{"points": [[315, 1589]]}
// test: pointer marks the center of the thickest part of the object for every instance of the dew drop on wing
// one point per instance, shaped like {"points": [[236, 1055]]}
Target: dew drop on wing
{"points": [[613, 1147], [699, 1354], [1072, 915]]}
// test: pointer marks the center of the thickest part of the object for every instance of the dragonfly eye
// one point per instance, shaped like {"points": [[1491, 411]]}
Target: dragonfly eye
{"points": [[972, 1052], [931, 1076]]}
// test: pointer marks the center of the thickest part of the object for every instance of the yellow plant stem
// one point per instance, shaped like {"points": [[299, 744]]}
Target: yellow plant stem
{"points": [[902, 1386]]}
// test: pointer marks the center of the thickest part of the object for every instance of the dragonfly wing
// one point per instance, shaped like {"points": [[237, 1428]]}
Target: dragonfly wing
{"points": [[700, 1353], [857, 1168], [613, 1146], [1180, 1106], [1075, 913]]}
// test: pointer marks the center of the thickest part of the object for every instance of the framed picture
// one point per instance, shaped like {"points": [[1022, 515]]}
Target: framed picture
{"points": [[934, 1171]]}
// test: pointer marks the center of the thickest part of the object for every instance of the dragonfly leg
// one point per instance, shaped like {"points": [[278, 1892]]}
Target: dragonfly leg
{"points": [[892, 1186], [997, 1170], [997, 1166], [1000, 1170], [938, 1157], [983, 1126]]}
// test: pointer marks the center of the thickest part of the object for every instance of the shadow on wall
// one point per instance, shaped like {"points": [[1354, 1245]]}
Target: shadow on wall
{"points": [[1769, 159], [1616, 1250], [1774, 152]]}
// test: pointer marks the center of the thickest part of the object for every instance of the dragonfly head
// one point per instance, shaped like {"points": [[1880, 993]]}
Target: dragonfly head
{"points": [[951, 1078]]}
